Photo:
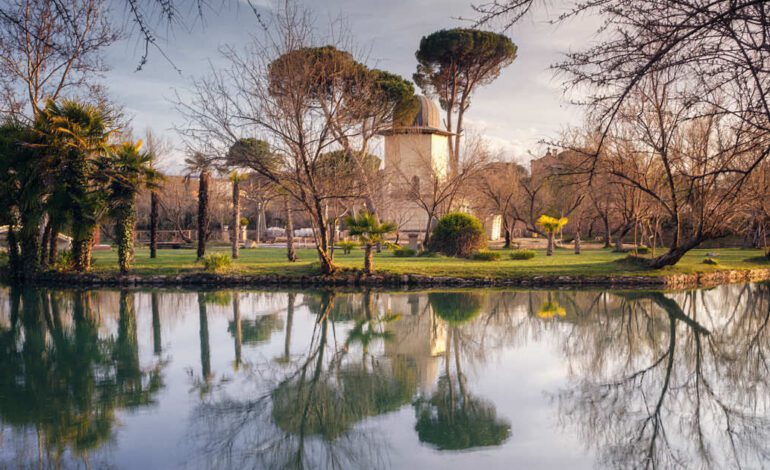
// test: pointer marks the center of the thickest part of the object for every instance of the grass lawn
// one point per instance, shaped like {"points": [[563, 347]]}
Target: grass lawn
{"points": [[598, 262]]}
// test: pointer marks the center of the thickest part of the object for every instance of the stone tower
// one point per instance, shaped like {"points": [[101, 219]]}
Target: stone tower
{"points": [[415, 156]]}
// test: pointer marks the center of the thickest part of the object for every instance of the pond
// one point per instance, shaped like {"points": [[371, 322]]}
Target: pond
{"points": [[374, 379]]}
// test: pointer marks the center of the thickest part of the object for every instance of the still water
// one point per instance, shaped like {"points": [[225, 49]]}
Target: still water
{"points": [[339, 379]]}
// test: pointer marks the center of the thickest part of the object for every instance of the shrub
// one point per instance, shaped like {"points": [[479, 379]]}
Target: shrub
{"points": [[404, 252], [64, 262], [486, 255], [522, 254], [710, 260], [642, 250], [456, 307], [428, 254], [457, 234], [217, 262], [347, 246], [3, 258]]}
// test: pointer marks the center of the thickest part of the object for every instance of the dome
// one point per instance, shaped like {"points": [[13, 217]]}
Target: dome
{"points": [[429, 115]]}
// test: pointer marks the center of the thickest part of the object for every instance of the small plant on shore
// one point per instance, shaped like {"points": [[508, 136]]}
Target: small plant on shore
{"points": [[551, 226], [458, 234], [347, 246], [710, 260], [217, 262], [486, 255], [522, 254], [371, 232], [642, 250], [404, 252], [65, 261]]}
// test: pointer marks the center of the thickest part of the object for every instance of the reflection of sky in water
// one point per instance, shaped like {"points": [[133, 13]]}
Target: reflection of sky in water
{"points": [[532, 370]]}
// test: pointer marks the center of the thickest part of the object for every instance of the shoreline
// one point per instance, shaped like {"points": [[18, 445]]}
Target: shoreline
{"points": [[357, 279]]}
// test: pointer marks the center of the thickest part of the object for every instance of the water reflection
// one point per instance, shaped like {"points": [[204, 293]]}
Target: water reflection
{"points": [[319, 379]]}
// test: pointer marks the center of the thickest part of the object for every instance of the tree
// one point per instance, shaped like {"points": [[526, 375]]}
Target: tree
{"points": [[200, 165], [157, 147], [131, 170], [49, 49], [551, 226], [235, 237], [77, 137], [452, 65], [370, 232], [457, 234], [272, 91], [500, 189]]}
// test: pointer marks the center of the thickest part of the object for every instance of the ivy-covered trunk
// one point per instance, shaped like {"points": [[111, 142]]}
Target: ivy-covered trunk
{"points": [[154, 203], [13, 251], [81, 250], [235, 238], [368, 258], [291, 253], [29, 242], [124, 236], [53, 249], [203, 212]]}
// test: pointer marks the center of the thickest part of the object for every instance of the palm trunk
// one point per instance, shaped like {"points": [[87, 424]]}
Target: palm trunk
{"points": [[235, 239], [53, 250], [81, 250], [368, 258], [157, 344], [124, 236], [14, 261], [237, 330], [203, 213], [154, 203], [291, 253], [29, 241], [549, 250], [203, 335]]}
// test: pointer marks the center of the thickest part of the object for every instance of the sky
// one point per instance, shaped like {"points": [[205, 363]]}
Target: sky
{"points": [[524, 106]]}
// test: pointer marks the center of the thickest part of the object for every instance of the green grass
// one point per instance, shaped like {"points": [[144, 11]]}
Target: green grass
{"points": [[563, 262]]}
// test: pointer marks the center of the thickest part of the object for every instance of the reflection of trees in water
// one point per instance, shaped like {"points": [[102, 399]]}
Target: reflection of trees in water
{"points": [[63, 383], [453, 419], [308, 416], [669, 382]]}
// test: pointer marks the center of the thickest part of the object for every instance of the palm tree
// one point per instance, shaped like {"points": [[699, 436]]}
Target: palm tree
{"points": [[130, 170], [77, 136], [370, 232], [199, 164], [551, 225], [235, 239]]}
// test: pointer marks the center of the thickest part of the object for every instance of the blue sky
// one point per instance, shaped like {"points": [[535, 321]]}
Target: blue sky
{"points": [[525, 105]]}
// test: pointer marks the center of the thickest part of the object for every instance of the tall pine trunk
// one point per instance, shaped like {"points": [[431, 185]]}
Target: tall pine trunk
{"points": [[291, 253], [235, 239], [203, 212], [154, 203]]}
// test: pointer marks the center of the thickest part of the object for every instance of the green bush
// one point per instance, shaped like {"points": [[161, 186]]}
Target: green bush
{"points": [[3, 258], [642, 250], [710, 260], [486, 255], [522, 254], [404, 252], [64, 261], [457, 234], [347, 246], [217, 262], [428, 254], [456, 307]]}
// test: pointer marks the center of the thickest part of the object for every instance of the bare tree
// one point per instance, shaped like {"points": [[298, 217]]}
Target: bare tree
{"points": [[50, 47]]}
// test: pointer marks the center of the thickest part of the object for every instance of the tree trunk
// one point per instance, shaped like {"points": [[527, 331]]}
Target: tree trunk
{"points": [[81, 251], [237, 329], [291, 253], [607, 232], [46, 241], [673, 255], [53, 250], [577, 240], [507, 235], [154, 203], [14, 261], [322, 245], [549, 250], [157, 344], [203, 334], [203, 213], [289, 322], [124, 236], [368, 258], [29, 242], [235, 239]]}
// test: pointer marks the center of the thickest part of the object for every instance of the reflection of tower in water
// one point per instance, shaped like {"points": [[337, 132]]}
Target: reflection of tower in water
{"points": [[419, 338]]}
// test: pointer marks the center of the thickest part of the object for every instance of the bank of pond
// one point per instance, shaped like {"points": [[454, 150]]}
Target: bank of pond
{"points": [[330, 378]]}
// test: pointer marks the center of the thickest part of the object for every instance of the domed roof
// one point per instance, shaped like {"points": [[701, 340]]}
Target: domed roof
{"points": [[429, 115]]}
